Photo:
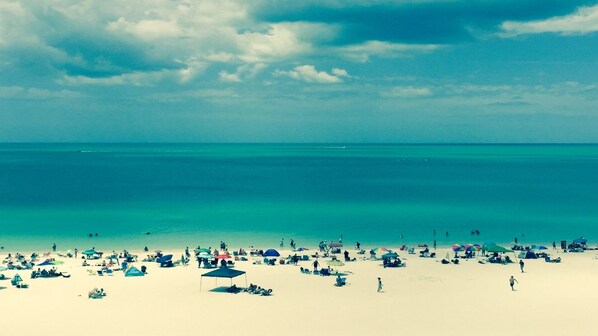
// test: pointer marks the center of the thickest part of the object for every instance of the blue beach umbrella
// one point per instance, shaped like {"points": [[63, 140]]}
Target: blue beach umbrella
{"points": [[580, 241], [165, 258], [271, 253], [89, 252]]}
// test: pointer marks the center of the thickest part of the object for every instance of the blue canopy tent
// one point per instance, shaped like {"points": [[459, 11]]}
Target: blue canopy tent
{"points": [[223, 272], [271, 253], [133, 272]]}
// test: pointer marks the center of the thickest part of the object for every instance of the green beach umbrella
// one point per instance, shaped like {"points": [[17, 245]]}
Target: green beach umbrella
{"points": [[497, 249], [335, 263], [89, 252], [390, 255]]}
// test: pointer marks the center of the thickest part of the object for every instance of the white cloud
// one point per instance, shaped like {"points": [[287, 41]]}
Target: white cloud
{"points": [[309, 74], [20, 92], [407, 92], [138, 78], [362, 52], [584, 21], [245, 71], [279, 41], [147, 29]]}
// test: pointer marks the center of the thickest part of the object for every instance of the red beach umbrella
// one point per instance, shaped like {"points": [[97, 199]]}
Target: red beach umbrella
{"points": [[222, 256]]}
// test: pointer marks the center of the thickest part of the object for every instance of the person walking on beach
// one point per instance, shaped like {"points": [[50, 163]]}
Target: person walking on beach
{"points": [[512, 282], [76, 251], [521, 264], [282, 242], [54, 247], [379, 285], [358, 245]]}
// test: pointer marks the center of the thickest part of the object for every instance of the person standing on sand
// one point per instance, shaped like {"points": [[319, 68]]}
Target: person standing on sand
{"points": [[521, 264], [54, 247], [379, 285], [316, 264], [512, 282]]}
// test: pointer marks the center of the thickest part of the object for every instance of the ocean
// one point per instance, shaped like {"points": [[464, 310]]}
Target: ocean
{"points": [[256, 194]]}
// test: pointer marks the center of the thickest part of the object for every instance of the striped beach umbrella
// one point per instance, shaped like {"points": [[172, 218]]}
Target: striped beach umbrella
{"points": [[380, 249], [457, 247], [472, 247]]}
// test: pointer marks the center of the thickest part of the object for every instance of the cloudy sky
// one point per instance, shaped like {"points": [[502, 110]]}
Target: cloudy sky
{"points": [[299, 71]]}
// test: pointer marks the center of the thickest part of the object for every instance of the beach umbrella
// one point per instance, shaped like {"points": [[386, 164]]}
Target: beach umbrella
{"points": [[222, 256], [457, 247], [497, 249], [380, 249], [390, 255], [335, 263], [201, 250], [471, 247], [422, 245], [271, 253], [89, 252], [580, 241], [164, 259], [335, 245]]}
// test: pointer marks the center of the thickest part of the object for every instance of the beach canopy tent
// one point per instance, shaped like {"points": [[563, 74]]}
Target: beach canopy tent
{"points": [[580, 241], [223, 272], [529, 254], [92, 253], [133, 271], [271, 253], [496, 248]]}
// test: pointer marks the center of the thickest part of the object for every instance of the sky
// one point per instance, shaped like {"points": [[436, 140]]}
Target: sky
{"points": [[338, 71]]}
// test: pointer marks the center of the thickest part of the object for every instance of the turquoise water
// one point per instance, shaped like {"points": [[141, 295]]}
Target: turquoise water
{"points": [[254, 194]]}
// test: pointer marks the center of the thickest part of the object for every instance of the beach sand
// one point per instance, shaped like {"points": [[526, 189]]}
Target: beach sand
{"points": [[424, 298]]}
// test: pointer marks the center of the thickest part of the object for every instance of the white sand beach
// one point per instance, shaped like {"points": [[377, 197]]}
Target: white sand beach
{"points": [[424, 298]]}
